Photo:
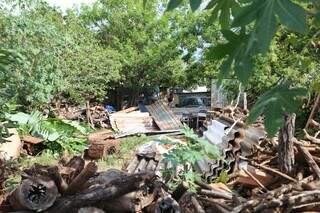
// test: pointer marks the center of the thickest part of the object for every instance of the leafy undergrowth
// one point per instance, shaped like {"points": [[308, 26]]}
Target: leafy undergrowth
{"points": [[60, 135]]}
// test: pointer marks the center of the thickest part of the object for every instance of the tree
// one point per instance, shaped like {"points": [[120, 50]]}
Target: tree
{"points": [[156, 49], [248, 28], [60, 57]]}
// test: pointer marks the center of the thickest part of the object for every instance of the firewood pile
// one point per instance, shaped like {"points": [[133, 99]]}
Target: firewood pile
{"points": [[96, 116], [256, 185], [70, 186]]}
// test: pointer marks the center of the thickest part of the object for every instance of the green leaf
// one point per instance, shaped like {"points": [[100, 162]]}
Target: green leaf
{"points": [[53, 136], [173, 4], [220, 51], [20, 118], [273, 104], [195, 4], [225, 69], [243, 69], [247, 14], [225, 15], [222, 9], [316, 20], [266, 26], [211, 4], [291, 15]]}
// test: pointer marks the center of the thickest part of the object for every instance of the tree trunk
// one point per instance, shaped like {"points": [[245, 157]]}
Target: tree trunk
{"points": [[285, 146]]}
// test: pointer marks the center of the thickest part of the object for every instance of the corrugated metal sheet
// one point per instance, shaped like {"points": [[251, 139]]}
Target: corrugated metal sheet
{"points": [[238, 140], [164, 117], [147, 158]]}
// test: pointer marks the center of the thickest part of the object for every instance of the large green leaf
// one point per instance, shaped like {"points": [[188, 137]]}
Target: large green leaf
{"points": [[291, 15], [173, 4], [224, 10], [238, 49], [266, 26], [274, 103], [195, 4], [247, 14]]}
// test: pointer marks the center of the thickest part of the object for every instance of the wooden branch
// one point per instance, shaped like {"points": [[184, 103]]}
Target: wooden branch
{"points": [[315, 124], [255, 179], [314, 111], [273, 171], [311, 138], [311, 162], [225, 207], [77, 184], [216, 194], [89, 116], [197, 205]]}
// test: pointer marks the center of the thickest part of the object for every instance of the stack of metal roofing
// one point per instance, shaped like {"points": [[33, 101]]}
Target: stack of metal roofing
{"points": [[232, 140]]}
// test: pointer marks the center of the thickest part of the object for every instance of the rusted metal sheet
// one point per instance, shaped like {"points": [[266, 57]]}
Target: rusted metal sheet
{"points": [[164, 117]]}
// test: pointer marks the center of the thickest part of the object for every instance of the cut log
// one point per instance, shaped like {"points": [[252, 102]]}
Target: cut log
{"points": [[285, 145], [57, 178], [102, 148], [78, 183], [100, 135], [34, 194], [167, 204], [73, 168], [101, 193]]}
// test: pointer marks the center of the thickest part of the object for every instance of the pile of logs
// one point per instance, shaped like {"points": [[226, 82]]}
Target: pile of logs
{"points": [[70, 186], [96, 116]]}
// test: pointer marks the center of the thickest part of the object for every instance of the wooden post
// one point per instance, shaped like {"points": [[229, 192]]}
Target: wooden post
{"points": [[88, 114], [285, 146]]}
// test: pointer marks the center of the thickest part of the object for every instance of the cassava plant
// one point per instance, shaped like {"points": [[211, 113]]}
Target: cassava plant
{"points": [[180, 160]]}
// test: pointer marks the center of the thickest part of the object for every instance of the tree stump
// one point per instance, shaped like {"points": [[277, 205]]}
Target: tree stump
{"points": [[285, 145]]}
